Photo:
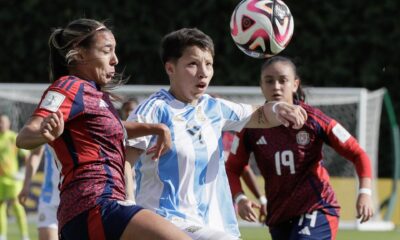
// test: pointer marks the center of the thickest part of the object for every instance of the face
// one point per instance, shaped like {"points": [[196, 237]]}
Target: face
{"points": [[98, 62], [191, 74], [4, 123], [279, 82]]}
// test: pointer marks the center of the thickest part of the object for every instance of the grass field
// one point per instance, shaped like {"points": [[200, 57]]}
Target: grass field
{"points": [[254, 233]]}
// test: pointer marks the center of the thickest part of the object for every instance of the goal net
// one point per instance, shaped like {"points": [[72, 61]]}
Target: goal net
{"points": [[357, 109]]}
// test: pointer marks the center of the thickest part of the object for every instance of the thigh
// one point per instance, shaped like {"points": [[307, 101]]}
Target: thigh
{"points": [[146, 225], [282, 231], [315, 226], [9, 190], [47, 216], [106, 221]]}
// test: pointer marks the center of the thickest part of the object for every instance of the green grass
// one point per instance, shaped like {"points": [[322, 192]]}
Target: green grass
{"points": [[257, 233], [251, 233]]}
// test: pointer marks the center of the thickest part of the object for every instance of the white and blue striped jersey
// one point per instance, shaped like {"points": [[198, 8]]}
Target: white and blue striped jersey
{"points": [[50, 193], [189, 182]]}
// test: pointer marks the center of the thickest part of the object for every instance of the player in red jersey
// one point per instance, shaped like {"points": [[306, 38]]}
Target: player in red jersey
{"points": [[301, 202], [76, 117]]}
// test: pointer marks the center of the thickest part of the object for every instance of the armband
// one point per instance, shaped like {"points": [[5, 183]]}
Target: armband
{"points": [[365, 191], [239, 198]]}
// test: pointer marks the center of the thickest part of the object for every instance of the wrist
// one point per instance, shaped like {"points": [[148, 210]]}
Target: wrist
{"points": [[367, 191], [239, 198], [274, 106], [263, 200]]}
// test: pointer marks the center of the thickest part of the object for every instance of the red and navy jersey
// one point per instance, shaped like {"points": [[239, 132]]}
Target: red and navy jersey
{"points": [[91, 148], [291, 162]]}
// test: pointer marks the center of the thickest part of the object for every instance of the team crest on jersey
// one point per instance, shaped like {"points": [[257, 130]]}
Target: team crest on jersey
{"points": [[192, 229], [303, 138], [52, 101], [200, 115]]}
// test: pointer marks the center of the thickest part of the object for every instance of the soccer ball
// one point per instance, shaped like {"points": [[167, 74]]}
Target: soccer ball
{"points": [[261, 28]]}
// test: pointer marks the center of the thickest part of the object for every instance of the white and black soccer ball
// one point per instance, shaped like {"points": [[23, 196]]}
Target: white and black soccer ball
{"points": [[261, 28]]}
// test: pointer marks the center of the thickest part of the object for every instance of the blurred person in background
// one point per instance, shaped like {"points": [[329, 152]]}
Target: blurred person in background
{"points": [[10, 180], [127, 107], [49, 198]]}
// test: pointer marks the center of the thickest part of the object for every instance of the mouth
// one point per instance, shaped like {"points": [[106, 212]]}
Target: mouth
{"points": [[110, 75], [277, 96], [201, 86]]}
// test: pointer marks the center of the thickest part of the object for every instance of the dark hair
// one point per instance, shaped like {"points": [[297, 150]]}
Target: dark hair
{"points": [[63, 43], [174, 43], [299, 95]]}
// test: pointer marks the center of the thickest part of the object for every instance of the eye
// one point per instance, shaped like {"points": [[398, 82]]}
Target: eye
{"points": [[107, 49], [283, 80]]}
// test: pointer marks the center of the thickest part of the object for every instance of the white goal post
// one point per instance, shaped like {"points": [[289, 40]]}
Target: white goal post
{"points": [[357, 109]]}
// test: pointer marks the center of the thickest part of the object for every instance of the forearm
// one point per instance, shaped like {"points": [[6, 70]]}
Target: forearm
{"points": [[128, 181], [365, 182], [132, 155], [263, 117], [32, 165], [30, 136], [135, 129]]}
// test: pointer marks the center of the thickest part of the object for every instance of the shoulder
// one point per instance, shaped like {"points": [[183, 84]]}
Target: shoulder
{"points": [[157, 100], [69, 83], [315, 113]]}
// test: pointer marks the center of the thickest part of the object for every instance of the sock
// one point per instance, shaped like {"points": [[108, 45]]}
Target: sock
{"points": [[3, 220]]}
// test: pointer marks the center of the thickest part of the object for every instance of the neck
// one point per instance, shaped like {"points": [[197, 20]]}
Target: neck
{"points": [[182, 98]]}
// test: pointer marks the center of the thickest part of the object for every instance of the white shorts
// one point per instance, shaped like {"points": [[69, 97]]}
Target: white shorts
{"points": [[47, 216], [198, 232]]}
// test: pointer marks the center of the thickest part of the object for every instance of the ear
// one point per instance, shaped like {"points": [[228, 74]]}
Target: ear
{"points": [[296, 84], [80, 55], [169, 68]]}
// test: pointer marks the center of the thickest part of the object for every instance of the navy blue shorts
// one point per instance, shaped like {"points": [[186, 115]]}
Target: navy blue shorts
{"points": [[312, 226], [106, 221]]}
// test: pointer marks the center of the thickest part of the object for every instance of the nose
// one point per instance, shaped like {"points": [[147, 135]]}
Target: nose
{"points": [[276, 84], [114, 59], [203, 71]]}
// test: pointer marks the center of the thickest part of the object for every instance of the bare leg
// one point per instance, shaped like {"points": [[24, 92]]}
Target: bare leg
{"points": [[46, 233], [146, 225]]}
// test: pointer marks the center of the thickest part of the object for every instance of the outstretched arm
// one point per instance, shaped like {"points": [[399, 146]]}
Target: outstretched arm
{"points": [[163, 144], [132, 155]]}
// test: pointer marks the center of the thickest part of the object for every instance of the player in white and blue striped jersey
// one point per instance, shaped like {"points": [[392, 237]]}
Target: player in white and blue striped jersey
{"points": [[49, 198], [188, 184]]}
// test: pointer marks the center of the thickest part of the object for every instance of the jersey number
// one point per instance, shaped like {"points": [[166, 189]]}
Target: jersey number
{"points": [[286, 159]]}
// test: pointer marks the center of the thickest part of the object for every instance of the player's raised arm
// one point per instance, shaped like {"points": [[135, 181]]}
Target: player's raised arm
{"points": [[273, 114]]}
